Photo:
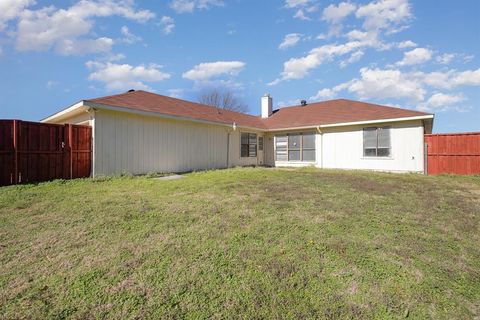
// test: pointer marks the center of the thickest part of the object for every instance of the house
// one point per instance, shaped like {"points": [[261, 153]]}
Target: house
{"points": [[139, 132]]}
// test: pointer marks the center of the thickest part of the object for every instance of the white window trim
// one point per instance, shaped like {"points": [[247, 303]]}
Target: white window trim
{"points": [[301, 149], [390, 157], [256, 145]]}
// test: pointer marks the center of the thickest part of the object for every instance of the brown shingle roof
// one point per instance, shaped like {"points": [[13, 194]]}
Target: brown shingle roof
{"points": [[334, 111], [151, 102], [320, 113]]}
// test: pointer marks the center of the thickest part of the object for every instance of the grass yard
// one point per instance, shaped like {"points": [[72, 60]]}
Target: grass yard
{"points": [[243, 243]]}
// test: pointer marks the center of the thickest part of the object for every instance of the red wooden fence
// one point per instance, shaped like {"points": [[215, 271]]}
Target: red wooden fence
{"points": [[457, 153], [32, 151]]}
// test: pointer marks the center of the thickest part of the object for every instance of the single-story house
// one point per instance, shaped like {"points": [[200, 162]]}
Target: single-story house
{"points": [[140, 132]]}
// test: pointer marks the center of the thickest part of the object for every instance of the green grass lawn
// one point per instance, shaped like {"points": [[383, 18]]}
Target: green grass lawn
{"points": [[243, 243]]}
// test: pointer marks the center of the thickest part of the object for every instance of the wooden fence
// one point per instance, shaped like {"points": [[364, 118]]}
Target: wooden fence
{"points": [[457, 153], [33, 152]]}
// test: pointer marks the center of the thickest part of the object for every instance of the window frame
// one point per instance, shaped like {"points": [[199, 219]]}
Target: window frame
{"points": [[248, 145], [376, 156], [300, 148]]}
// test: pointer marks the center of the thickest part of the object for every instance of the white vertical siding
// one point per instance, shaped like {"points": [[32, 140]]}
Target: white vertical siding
{"points": [[127, 143], [342, 148], [235, 158]]}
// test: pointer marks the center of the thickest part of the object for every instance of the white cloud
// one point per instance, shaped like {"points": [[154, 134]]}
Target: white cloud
{"points": [[176, 93], [354, 57], [296, 3], [384, 84], [189, 6], [208, 70], [167, 23], [11, 9], [415, 56], [128, 36], [290, 40], [301, 15], [302, 7], [384, 14], [335, 14], [298, 68], [69, 47], [324, 94], [378, 17], [442, 102], [124, 76], [327, 94], [467, 78], [67, 30], [446, 58], [387, 84], [406, 44]]}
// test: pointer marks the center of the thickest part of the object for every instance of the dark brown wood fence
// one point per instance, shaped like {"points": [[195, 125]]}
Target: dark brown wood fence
{"points": [[33, 152], [457, 153]]}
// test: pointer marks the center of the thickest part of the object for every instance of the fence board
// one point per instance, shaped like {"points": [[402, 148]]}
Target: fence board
{"points": [[32, 151], [7, 153], [457, 153]]}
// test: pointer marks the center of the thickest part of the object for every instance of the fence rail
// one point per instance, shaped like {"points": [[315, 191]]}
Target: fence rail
{"points": [[457, 153], [33, 151]]}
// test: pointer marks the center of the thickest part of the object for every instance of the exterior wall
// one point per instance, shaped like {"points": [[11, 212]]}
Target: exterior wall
{"points": [[128, 143], [234, 152], [342, 148]]}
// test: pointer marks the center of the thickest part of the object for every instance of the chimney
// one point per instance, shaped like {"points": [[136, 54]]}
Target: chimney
{"points": [[266, 106]]}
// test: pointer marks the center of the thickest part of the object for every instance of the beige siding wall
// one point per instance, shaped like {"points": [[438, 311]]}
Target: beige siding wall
{"points": [[128, 143], [342, 148], [235, 159]]}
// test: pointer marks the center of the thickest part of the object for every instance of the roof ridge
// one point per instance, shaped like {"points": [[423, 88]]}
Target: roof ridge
{"points": [[354, 101], [112, 95], [383, 105], [177, 99]]}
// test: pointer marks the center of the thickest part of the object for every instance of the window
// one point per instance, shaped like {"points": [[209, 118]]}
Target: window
{"points": [[308, 147], [248, 144], [281, 143], [260, 143], [295, 147], [376, 142]]}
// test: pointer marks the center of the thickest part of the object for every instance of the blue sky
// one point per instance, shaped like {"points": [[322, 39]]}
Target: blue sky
{"points": [[421, 55]]}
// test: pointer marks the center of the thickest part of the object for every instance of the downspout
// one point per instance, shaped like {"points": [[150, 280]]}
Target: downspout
{"points": [[321, 146], [91, 112], [228, 147], [234, 127]]}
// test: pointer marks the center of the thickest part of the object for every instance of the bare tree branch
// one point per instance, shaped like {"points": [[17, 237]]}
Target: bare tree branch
{"points": [[222, 100]]}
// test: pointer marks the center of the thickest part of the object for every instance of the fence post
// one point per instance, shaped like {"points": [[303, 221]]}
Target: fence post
{"points": [[425, 157], [15, 151], [67, 151]]}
